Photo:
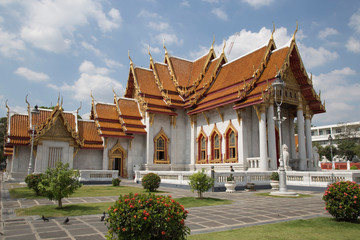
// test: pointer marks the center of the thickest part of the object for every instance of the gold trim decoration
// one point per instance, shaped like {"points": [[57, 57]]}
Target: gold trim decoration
{"points": [[151, 118], [220, 114], [166, 148], [193, 120], [173, 121], [238, 113], [206, 118]]}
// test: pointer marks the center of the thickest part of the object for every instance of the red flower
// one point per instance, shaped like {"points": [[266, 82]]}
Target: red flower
{"points": [[145, 218], [163, 233], [115, 209], [134, 216], [136, 194], [124, 229]]}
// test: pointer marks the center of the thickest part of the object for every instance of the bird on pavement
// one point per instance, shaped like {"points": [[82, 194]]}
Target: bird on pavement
{"points": [[66, 221], [103, 217], [44, 219]]}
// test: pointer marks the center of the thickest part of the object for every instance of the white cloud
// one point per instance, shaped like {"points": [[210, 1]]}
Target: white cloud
{"points": [[92, 79], [169, 38], [153, 50], [89, 68], [327, 32], [113, 64], [313, 57], [353, 45], [90, 47], [147, 14], [211, 1], [10, 45], [258, 3], [185, 3], [341, 95], [49, 25], [220, 13], [31, 75], [355, 21], [159, 26]]}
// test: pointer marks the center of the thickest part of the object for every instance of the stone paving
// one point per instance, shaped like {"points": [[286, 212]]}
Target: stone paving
{"points": [[248, 209]]}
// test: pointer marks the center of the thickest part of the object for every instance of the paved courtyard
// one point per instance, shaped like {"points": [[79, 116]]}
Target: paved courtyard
{"points": [[247, 209]]}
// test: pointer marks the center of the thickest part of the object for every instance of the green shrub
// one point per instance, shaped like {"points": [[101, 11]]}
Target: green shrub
{"points": [[151, 182], [116, 182], [33, 180], [342, 201], [353, 167], [230, 178], [274, 176], [146, 216], [200, 182], [59, 182]]}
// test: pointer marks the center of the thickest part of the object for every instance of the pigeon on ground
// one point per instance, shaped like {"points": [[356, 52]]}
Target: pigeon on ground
{"points": [[44, 219], [103, 217], [66, 221]]}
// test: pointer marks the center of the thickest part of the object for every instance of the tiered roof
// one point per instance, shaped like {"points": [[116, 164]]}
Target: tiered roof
{"points": [[211, 82]]}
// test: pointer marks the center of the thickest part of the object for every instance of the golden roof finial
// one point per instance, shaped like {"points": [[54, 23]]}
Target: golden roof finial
{"points": [[26, 100], [212, 45], [92, 97], [151, 59], [131, 62], [77, 110], [224, 46], [57, 104], [115, 97], [166, 51], [293, 37], [62, 100], [272, 33], [6, 105]]}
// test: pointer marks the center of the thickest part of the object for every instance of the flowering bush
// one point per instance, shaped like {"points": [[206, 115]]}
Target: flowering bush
{"points": [[151, 182], [33, 180], [342, 201], [146, 216]]}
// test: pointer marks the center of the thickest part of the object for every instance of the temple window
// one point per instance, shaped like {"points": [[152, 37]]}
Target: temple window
{"points": [[161, 142], [216, 156], [202, 141], [231, 144], [55, 154]]}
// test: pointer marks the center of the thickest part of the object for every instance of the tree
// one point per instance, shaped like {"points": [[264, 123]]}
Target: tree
{"points": [[3, 124], [59, 182], [200, 182]]}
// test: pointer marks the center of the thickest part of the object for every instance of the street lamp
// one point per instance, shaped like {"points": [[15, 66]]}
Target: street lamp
{"points": [[279, 86], [34, 111], [331, 152]]}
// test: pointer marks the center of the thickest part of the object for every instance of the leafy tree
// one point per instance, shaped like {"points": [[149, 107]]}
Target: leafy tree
{"points": [[200, 182], [59, 182], [326, 151], [346, 147], [3, 124]]}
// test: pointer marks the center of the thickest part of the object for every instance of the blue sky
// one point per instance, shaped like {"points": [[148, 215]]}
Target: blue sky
{"points": [[72, 47]]}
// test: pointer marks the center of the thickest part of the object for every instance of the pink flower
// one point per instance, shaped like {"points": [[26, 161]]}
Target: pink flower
{"points": [[355, 197]]}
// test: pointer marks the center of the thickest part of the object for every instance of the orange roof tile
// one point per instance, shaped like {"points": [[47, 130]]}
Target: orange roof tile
{"points": [[164, 76], [129, 107], [19, 126], [106, 111], [146, 81], [182, 70], [109, 125], [88, 132], [197, 68]]}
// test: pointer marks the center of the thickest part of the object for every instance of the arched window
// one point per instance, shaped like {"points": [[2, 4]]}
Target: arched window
{"points": [[216, 154], [231, 144], [161, 148], [202, 141]]}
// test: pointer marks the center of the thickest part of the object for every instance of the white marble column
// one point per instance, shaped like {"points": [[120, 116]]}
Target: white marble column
{"points": [[193, 148], [149, 138], [106, 155], [301, 138], [292, 137], [309, 154], [262, 140], [271, 135]]}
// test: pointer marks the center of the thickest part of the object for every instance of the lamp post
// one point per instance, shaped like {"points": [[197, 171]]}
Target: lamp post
{"points": [[279, 86], [32, 127], [331, 152]]}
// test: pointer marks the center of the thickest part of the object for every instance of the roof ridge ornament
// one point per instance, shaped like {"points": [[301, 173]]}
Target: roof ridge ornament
{"points": [[26, 100], [212, 45], [151, 58], [131, 62], [115, 96], [77, 110], [297, 26], [166, 51], [224, 47], [273, 31]]}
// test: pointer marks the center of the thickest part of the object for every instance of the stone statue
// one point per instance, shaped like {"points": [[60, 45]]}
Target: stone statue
{"points": [[316, 157], [286, 156]]}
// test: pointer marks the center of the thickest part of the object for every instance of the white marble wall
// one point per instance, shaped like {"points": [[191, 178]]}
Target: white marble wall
{"points": [[88, 159]]}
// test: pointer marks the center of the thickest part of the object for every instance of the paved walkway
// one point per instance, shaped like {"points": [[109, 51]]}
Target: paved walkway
{"points": [[248, 209]]}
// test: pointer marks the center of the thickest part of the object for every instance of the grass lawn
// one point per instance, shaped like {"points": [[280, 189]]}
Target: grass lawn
{"points": [[314, 229], [84, 191], [98, 208]]}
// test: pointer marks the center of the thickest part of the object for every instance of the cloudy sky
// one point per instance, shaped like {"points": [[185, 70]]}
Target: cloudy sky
{"points": [[72, 47]]}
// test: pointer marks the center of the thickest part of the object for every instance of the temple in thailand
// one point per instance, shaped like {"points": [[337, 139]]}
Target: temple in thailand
{"points": [[178, 116]]}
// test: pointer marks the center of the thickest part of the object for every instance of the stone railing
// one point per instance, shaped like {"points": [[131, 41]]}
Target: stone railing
{"points": [[293, 178], [253, 163], [98, 175]]}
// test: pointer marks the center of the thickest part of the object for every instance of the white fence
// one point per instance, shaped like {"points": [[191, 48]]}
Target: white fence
{"points": [[295, 178], [98, 175]]}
